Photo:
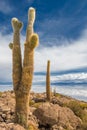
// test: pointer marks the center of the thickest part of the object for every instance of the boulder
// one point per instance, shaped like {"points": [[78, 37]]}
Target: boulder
{"points": [[49, 114]]}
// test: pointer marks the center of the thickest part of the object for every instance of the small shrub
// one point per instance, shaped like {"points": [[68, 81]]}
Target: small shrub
{"points": [[36, 105], [30, 127], [83, 105], [58, 95], [31, 103], [76, 108]]}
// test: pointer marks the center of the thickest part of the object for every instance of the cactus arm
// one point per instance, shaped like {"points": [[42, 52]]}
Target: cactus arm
{"points": [[17, 64], [30, 44], [11, 46], [31, 19], [29, 32], [34, 40]]}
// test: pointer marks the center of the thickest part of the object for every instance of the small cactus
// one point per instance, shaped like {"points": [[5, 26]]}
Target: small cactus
{"points": [[54, 91], [48, 89]]}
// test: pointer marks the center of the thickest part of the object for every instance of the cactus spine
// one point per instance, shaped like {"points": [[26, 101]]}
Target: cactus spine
{"points": [[48, 90], [23, 75]]}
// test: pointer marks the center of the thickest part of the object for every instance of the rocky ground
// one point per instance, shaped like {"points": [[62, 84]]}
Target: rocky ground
{"points": [[62, 113]]}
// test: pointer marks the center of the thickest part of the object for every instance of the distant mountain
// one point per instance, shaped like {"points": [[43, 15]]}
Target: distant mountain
{"points": [[76, 70], [5, 83]]}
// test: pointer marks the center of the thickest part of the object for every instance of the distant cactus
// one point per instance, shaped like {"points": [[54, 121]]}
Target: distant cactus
{"points": [[54, 91], [23, 74], [48, 89]]}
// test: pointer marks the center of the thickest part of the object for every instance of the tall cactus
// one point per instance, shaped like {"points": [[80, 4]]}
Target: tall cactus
{"points": [[48, 89], [23, 75]]}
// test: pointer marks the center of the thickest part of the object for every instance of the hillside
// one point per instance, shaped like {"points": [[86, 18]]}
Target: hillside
{"points": [[62, 113]]}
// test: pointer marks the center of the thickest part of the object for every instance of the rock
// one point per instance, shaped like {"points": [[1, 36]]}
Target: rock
{"points": [[33, 119], [10, 126], [32, 109], [47, 114], [1, 119], [52, 114], [5, 109], [36, 100], [55, 127], [16, 127], [56, 101], [8, 116], [3, 116]]}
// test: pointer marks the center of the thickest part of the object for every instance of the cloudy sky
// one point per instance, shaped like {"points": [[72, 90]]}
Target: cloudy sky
{"points": [[62, 28]]}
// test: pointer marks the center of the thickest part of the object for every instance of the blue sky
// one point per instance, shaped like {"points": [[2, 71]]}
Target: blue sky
{"points": [[62, 28], [55, 18]]}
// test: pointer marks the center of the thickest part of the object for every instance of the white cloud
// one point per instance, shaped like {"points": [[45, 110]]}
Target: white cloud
{"points": [[5, 7], [64, 57], [70, 56], [5, 58], [75, 78], [72, 77]]}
